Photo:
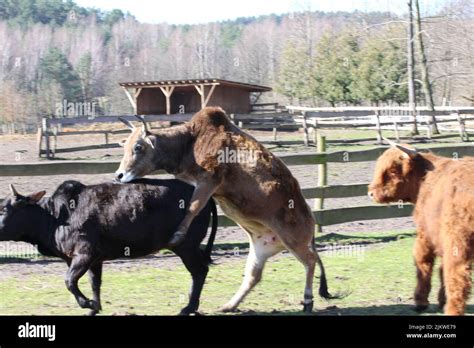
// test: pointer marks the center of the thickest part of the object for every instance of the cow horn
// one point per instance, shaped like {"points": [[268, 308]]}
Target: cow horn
{"points": [[145, 126], [390, 142], [127, 123], [410, 152], [14, 191]]}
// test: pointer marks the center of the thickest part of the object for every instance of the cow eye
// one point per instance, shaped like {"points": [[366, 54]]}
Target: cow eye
{"points": [[138, 148]]}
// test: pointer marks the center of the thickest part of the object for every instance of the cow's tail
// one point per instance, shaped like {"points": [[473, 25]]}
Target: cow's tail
{"points": [[212, 236], [323, 283]]}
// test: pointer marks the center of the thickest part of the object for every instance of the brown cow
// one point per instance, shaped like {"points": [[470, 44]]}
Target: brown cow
{"points": [[442, 190], [252, 186]]}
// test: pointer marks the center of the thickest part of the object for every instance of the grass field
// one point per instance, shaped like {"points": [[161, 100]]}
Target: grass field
{"points": [[377, 270]]}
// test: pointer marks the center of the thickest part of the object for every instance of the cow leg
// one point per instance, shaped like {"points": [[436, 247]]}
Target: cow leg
{"points": [[201, 195], [299, 241], [305, 253], [79, 266], [424, 258], [457, 266], [95, 278], [442, 289], [197, 265], [262, 247]]}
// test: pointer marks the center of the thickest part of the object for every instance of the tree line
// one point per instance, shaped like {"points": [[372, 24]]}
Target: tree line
{"points": [[54, 50]]}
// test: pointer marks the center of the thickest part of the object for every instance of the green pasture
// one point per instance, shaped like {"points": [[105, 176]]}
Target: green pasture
{"points": [[375, 269]]}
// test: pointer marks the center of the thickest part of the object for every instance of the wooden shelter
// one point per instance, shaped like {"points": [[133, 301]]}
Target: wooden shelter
{"points": [[189, 96]]}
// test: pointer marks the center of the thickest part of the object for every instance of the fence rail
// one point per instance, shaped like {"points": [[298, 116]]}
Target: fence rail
{"points": [[324, 217], [293, 118]]}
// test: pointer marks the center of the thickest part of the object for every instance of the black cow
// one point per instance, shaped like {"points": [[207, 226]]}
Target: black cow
{"points": [[87, 225]]}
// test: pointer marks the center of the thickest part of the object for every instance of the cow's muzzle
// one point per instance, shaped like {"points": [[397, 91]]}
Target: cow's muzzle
{"points": [[123, 176]]}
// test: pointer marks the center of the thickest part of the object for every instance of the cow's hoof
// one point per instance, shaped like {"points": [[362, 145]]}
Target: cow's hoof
{"points": [[94, 305], [177, 239], [187, 311], [308, 307], [227, 308], [421, 307], [93, 312]]}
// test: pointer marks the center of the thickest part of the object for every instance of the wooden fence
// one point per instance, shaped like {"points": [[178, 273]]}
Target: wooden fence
{"points": [[274, 119], [370, 117], [324, 217], [48, 133]]}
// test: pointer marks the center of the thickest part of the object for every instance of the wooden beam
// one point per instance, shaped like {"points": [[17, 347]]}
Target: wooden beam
{"points": [[201, 92], [209, 95], [328, 217], [137, 93], [168, 91], [131, 100]]}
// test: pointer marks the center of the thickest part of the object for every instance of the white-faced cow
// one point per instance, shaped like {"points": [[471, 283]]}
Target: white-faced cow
{"points": [[253, 187], [87, 225], [442, 190]]}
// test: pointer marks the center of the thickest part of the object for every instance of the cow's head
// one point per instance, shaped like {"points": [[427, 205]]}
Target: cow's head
{"points": [[139, 153], [398, 173], [16, 214]]}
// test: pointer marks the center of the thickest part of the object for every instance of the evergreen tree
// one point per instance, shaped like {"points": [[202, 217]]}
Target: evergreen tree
{"points": [[56, 68], [333, 74], [295, 74], [381, 76]]}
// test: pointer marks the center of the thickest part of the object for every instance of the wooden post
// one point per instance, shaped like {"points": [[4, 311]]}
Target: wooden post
{"points": [[39, 139], [167, 91], [203, 98], [55, 141], [379, 129], [274, 129], [428, 129], [315, 136], [462, 128], [106, 134], [397, 134], [305, 130], [322, 176], [45, 124]]}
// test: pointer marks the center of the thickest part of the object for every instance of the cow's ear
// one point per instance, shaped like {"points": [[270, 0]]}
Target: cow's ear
{"points": [[150, 140], [35, 197]]}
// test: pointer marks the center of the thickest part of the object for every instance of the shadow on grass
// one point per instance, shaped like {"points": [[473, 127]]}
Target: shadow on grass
{"points": [[335, 238], [321, 242], [35, 260], [384, 310]]}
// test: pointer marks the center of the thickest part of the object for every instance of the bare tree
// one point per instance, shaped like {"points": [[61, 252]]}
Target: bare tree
{"points": [[411, 69], [424, 69]]}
